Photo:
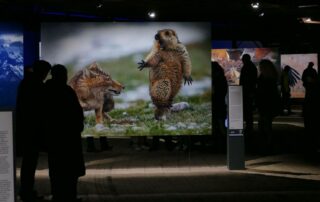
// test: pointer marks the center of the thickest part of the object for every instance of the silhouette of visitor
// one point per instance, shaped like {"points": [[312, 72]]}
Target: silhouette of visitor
{"points": [[309, 78], [220, 88], [29, 120], [310, 83], [268, 99], [248, 81], [285, 89], [311, 120], [64, 123], [316, 120]]}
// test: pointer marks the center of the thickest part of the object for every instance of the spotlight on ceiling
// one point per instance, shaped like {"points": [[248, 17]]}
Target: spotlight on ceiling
{"points": [[255, 5], [152, 14], [309, 6], [261, 14], [99, 4], [307, 20]]}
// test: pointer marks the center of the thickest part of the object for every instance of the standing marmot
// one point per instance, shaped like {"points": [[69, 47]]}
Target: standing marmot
{"points": [[169, 62]]}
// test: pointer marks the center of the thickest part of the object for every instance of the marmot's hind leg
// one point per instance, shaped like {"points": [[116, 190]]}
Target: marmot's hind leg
{"points": [[161, 113], [160, 93]]}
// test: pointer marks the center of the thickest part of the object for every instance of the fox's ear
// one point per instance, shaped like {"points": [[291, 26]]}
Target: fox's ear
{"points": [[94, 67]]}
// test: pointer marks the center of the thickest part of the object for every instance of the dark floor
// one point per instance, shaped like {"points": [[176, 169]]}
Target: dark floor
{"points": [[285, 172]]}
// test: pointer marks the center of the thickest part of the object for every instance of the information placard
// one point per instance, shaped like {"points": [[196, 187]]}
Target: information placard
{"points": [[6, 157], [235, 109], [235, 139]]}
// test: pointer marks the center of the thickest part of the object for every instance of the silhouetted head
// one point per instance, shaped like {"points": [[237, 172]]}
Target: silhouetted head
{"points": [[27, 71], [217, 69], [310, 65], [268, 69], [41, 69], [246, 58], [59, 73]]}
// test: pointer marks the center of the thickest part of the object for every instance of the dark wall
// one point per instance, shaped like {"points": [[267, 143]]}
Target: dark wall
{"points": [[31, 36]]}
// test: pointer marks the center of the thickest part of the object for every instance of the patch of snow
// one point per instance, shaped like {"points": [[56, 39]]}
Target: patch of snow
{"points": [[176, 107], [171, 128], [117, 128], [181, 125], [100, 127], [193, 125], [88, 113], [140, 93], [197, 87], [135, 128], [122, 105]]}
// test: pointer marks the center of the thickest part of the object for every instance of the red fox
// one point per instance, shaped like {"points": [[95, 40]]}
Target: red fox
{"points": [[95, 89]]}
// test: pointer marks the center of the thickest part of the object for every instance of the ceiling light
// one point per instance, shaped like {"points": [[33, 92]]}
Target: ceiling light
{"points": [[255, 5], [308, 6], [152, 14], [261, 14], [310, 21], [100, 5], [307, 20]]}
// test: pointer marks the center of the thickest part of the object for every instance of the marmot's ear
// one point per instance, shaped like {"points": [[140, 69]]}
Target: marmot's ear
{"points": [[94, 65], [86, 73], [90, 66], [175, 34]]}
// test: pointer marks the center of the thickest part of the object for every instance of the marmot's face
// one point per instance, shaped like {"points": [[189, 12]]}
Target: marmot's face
{"points": [[167, 38]]}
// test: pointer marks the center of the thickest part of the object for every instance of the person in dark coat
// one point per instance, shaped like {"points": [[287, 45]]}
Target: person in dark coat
{"points": [[285, 89], [309, 80], [220, 89], [29, 117], [310, 105], [64, 125], [248, 81], [268, 99]]}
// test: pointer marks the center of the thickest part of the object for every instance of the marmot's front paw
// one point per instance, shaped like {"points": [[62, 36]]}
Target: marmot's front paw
{"points": [[142, 65], [188, 80]]}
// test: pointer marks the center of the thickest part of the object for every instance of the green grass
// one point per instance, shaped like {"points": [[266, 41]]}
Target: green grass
{"points": [[138, 120]]}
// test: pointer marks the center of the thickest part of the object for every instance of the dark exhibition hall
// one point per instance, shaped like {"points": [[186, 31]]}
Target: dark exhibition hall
{"points": [[159, 100]]}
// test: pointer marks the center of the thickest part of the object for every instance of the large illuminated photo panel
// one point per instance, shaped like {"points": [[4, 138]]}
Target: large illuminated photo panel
{"points": [[298, 63], [136, 78], [11, 63]]}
